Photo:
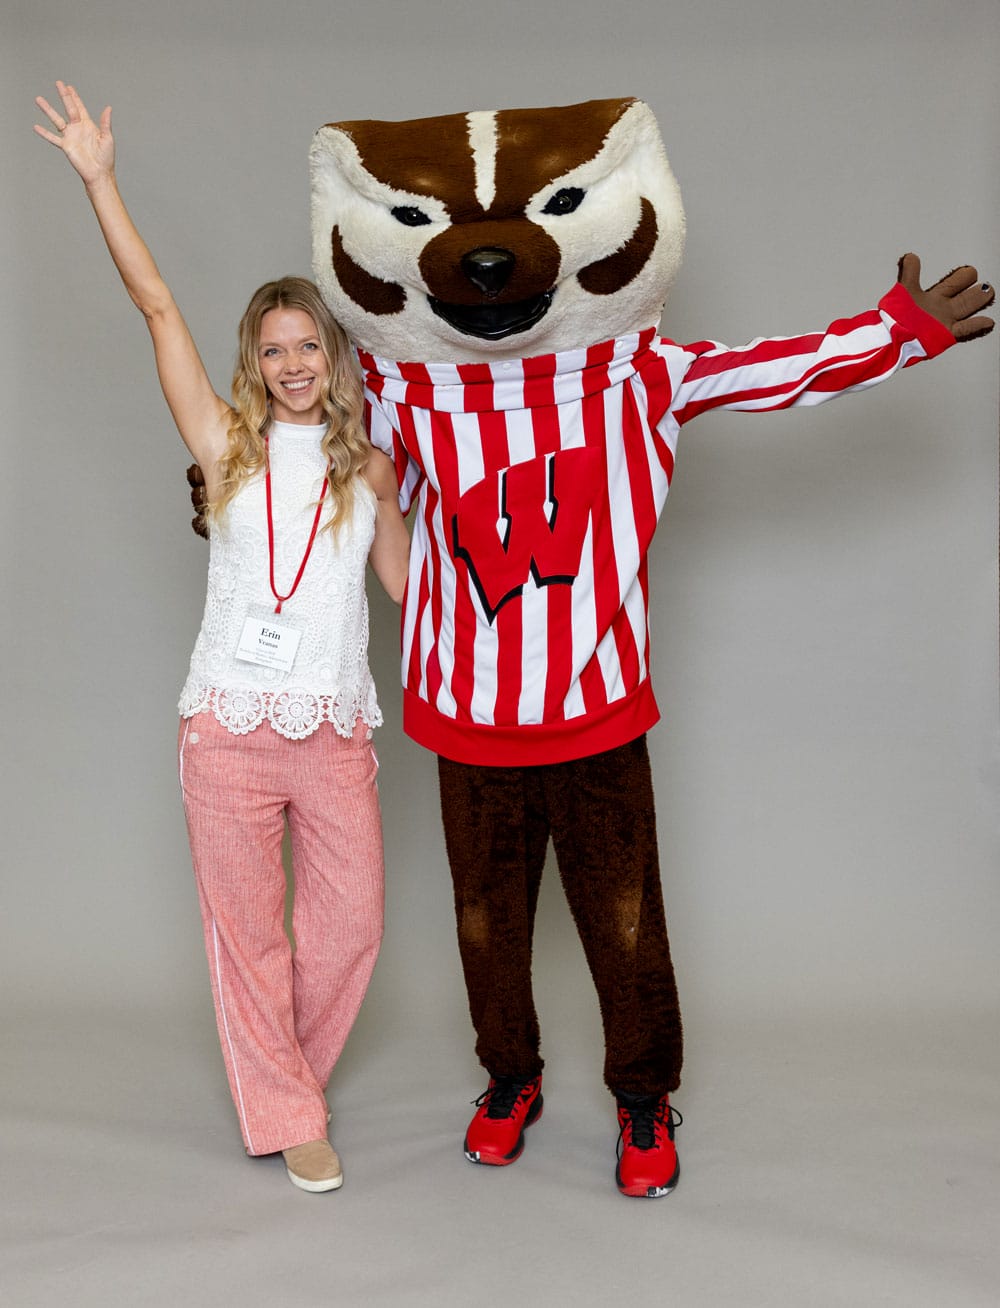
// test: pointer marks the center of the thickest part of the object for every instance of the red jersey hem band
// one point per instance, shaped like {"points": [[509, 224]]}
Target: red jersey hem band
{"points": [[534, 743]]}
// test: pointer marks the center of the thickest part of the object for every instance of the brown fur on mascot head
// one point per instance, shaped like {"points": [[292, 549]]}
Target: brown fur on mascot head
{"points": [[490, 234]]}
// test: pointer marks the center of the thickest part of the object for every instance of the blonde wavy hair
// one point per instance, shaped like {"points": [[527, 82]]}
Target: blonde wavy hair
{"points": [[344, 443]]}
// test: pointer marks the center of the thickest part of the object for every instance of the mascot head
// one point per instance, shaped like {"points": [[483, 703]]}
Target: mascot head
{"points": [[477, 236]]}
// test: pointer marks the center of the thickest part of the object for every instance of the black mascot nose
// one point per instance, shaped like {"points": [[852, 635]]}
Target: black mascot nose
{"points": [[488, 269]]}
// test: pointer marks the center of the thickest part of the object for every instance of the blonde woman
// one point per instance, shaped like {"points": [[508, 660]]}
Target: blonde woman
{"points": [[278, 709]]}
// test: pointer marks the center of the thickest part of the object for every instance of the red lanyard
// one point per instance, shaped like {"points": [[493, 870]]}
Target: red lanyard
{"points": [[270, 533]]}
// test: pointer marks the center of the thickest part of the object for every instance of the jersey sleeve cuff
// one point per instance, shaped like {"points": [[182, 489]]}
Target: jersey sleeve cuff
{"points": [[934, 336]]}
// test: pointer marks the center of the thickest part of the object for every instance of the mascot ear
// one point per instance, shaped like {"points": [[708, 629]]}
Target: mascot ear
{"points": [[196, 480], [324, 153], [335, 164], [343, 191]]}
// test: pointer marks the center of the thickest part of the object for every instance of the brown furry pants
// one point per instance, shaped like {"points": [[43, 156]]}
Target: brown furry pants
{"points": [[599, 813]]}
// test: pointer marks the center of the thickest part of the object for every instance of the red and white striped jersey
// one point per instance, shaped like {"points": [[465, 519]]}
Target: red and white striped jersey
{"points": [[539, 483]]}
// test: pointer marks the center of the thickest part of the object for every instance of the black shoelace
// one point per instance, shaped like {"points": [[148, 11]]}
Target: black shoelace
{"points": [[644, 1116], [502, 1096]]}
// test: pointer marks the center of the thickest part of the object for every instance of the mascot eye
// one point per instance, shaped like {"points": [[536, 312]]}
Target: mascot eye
{"points": [[409, 215], [565, 201]]}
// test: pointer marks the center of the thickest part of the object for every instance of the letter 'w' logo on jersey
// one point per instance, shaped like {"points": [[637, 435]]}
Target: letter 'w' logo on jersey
{"points": [[530, 521]]}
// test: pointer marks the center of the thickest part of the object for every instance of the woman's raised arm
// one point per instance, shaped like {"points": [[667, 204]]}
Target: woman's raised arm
{"points": [[200, 414]]}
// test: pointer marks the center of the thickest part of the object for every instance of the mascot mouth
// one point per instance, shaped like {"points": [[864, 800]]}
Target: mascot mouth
{"points": [[492, 322]]}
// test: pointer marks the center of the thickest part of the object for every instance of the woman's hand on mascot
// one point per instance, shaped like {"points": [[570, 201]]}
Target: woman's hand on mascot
{"points": [[957, 300], [89, 146]]}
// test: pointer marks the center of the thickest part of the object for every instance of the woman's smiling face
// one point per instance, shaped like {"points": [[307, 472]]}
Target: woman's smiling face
{"points": [[293, 365]]}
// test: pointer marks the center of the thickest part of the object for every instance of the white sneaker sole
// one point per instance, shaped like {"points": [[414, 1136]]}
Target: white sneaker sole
{"points": [[315, 1187]]}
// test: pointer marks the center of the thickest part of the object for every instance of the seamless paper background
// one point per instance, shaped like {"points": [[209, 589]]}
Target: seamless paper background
{"points": [[824, 585]]}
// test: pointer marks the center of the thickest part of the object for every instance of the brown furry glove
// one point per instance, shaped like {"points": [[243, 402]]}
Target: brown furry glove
{"points": [[957, 300], [196, 480]]}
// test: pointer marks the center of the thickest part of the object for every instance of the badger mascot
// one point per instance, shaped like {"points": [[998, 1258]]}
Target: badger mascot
{"points": [[503, 274]]}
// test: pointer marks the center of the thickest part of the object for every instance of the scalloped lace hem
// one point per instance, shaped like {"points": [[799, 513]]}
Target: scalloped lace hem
{"points": [[292, 713]]}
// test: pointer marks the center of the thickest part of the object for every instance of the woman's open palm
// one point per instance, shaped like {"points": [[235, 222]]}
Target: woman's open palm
{"points": [[89, 146]]}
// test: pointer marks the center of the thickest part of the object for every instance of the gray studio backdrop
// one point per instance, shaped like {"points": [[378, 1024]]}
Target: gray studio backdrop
{"points": [[823, 586]]}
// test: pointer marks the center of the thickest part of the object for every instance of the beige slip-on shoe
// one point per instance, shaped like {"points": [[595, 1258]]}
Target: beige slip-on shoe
{"points": [[313, 1166]]}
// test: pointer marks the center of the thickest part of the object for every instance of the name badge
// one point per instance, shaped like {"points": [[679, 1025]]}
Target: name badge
{"points": [[271, 644]]}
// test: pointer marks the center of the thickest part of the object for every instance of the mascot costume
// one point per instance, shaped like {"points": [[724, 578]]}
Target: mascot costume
{"points": [[503, 274]]}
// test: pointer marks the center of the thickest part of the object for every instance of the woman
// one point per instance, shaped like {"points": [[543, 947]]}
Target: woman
{"points": [[278, 709]]}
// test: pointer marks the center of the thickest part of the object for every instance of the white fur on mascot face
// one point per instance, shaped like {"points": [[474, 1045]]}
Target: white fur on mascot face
{"points": [[487, 235]]}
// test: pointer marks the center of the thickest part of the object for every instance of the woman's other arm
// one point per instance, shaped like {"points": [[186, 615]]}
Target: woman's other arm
{"points": [[390, 552]]}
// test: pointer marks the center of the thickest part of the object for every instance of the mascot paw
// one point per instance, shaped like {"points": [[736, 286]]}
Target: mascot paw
{"points": [[196, 480], [957, 300]]}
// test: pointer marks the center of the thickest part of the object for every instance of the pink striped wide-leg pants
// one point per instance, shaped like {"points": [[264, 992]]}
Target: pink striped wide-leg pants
{"points": [[283, 1019]]}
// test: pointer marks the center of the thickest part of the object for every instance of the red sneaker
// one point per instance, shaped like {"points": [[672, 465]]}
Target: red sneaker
{"points": [[507, 1107], [647, 1160]]}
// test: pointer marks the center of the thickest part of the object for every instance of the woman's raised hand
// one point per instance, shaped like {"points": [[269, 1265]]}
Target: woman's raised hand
{"points": [[89, 146], [201, 416]]}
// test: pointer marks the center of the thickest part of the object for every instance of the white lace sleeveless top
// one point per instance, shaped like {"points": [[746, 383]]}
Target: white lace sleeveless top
{"points": [[330, 680]]}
